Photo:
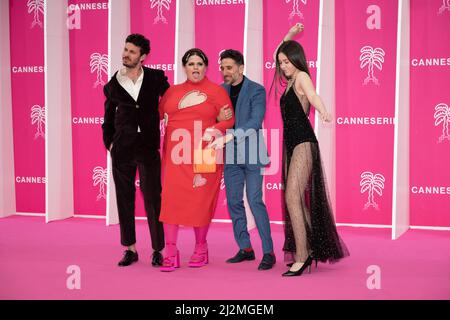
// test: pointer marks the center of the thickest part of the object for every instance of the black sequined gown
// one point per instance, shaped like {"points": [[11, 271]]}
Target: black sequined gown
{"points": [[309, 222]]}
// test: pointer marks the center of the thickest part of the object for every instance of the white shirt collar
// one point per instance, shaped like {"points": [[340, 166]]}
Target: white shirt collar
{"points": [[122, 75]]}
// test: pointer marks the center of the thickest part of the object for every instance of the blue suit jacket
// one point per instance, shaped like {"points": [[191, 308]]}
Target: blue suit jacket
{"points": [[248, 146]]}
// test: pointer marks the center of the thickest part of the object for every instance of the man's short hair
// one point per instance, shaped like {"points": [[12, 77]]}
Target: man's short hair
{"points": [[139, 41], [233, 54]]}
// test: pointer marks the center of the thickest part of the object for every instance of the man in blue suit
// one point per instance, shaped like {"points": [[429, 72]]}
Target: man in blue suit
{"points": [[246, 155]]}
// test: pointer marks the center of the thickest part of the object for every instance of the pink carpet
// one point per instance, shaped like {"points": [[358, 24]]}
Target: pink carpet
{"points": [[34, 257]]}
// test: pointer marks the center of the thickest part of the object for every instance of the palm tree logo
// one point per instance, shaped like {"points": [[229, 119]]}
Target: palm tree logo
{"points": [[162, 128], [36, 7], [295, 9], [38, 117], [159, 4], [222, 186], [372, 58], [222, 182], [372, 183], [100, 176], [219, 60], [442, 116], [445, 6], [99, 64]]}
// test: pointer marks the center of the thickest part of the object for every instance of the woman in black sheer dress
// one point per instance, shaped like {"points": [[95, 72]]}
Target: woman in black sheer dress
{"points": [[310, 230]]}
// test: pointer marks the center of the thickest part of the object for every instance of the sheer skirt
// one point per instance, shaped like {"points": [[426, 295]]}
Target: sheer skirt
{"points": [[309, 223]]}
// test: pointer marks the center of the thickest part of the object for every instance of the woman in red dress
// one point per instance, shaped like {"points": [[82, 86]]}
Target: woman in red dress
{"points": [[190, 111]]}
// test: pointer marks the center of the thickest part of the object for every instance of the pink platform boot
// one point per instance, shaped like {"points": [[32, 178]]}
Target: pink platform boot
{"points": [[171, 258], [200, 256]]}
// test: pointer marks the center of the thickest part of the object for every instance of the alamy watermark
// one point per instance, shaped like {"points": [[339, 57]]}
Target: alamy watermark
{"points": [[249, 147], [73, 282], [374, 280]]}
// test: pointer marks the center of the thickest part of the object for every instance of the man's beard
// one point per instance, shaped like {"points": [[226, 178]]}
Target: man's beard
{"points": [[129, 64], [232, 80], [229, 80]]}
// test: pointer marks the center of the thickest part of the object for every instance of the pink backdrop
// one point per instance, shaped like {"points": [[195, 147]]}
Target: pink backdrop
{"points": [[279, 17], [27, 82], [88, 74], [430, 113], [365, 93], [365, 107], [158, 25], [219, 27]]}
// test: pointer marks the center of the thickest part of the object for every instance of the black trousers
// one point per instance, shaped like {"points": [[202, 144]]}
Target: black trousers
{"points": [[130, 154]]}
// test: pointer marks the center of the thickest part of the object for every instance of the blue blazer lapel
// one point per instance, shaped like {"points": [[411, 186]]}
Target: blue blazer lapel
{"points": [[226, 87]]}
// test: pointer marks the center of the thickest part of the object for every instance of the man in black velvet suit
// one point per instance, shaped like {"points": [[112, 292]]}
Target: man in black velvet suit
{"points": [[131, 134]]}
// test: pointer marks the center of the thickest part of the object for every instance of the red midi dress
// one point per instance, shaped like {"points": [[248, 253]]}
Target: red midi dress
{"points": [[190, 198]]}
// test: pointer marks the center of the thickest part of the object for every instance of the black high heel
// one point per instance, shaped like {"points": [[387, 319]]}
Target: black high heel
{"points": [[291, 264], [306, 264]]}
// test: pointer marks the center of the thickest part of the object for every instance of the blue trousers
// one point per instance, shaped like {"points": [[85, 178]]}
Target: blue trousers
{"points": [[235, 177]]}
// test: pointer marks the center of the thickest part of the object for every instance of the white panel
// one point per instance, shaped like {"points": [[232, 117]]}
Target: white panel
{"points": [[112, 215], [400, 189], [326, 133], [58, 135], [253, 40], [118, 30], [7, 185], [253, 49], [184, 35]]}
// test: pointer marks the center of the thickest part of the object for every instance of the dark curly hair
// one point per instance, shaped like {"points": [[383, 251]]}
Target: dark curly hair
{"points": [[139, 41]]}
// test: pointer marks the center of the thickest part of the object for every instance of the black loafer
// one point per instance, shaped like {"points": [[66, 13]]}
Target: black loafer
{"points": [[129, 257], [242, 255], [157, 259], [267, 261]]}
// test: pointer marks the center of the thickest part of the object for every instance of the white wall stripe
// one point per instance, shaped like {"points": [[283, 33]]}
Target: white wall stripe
{"points": [[319, 59], [118, 30], [109, 178], [85, 216], [430, 228], [325, 87], [31, 214], [58, 153], [244, 49], [177, 36], [184, 35], [361, 225], [28, 214], [400, 181], [46, 113]]}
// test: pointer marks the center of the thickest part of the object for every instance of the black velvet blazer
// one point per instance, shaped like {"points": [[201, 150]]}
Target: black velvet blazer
{"points": [[123, 114]]}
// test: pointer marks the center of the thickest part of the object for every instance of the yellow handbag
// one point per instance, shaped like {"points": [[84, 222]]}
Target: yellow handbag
{"points": [[204, 160]]}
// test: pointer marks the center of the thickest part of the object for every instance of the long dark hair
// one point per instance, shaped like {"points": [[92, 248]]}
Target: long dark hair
{"points": [[296, 55]]}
